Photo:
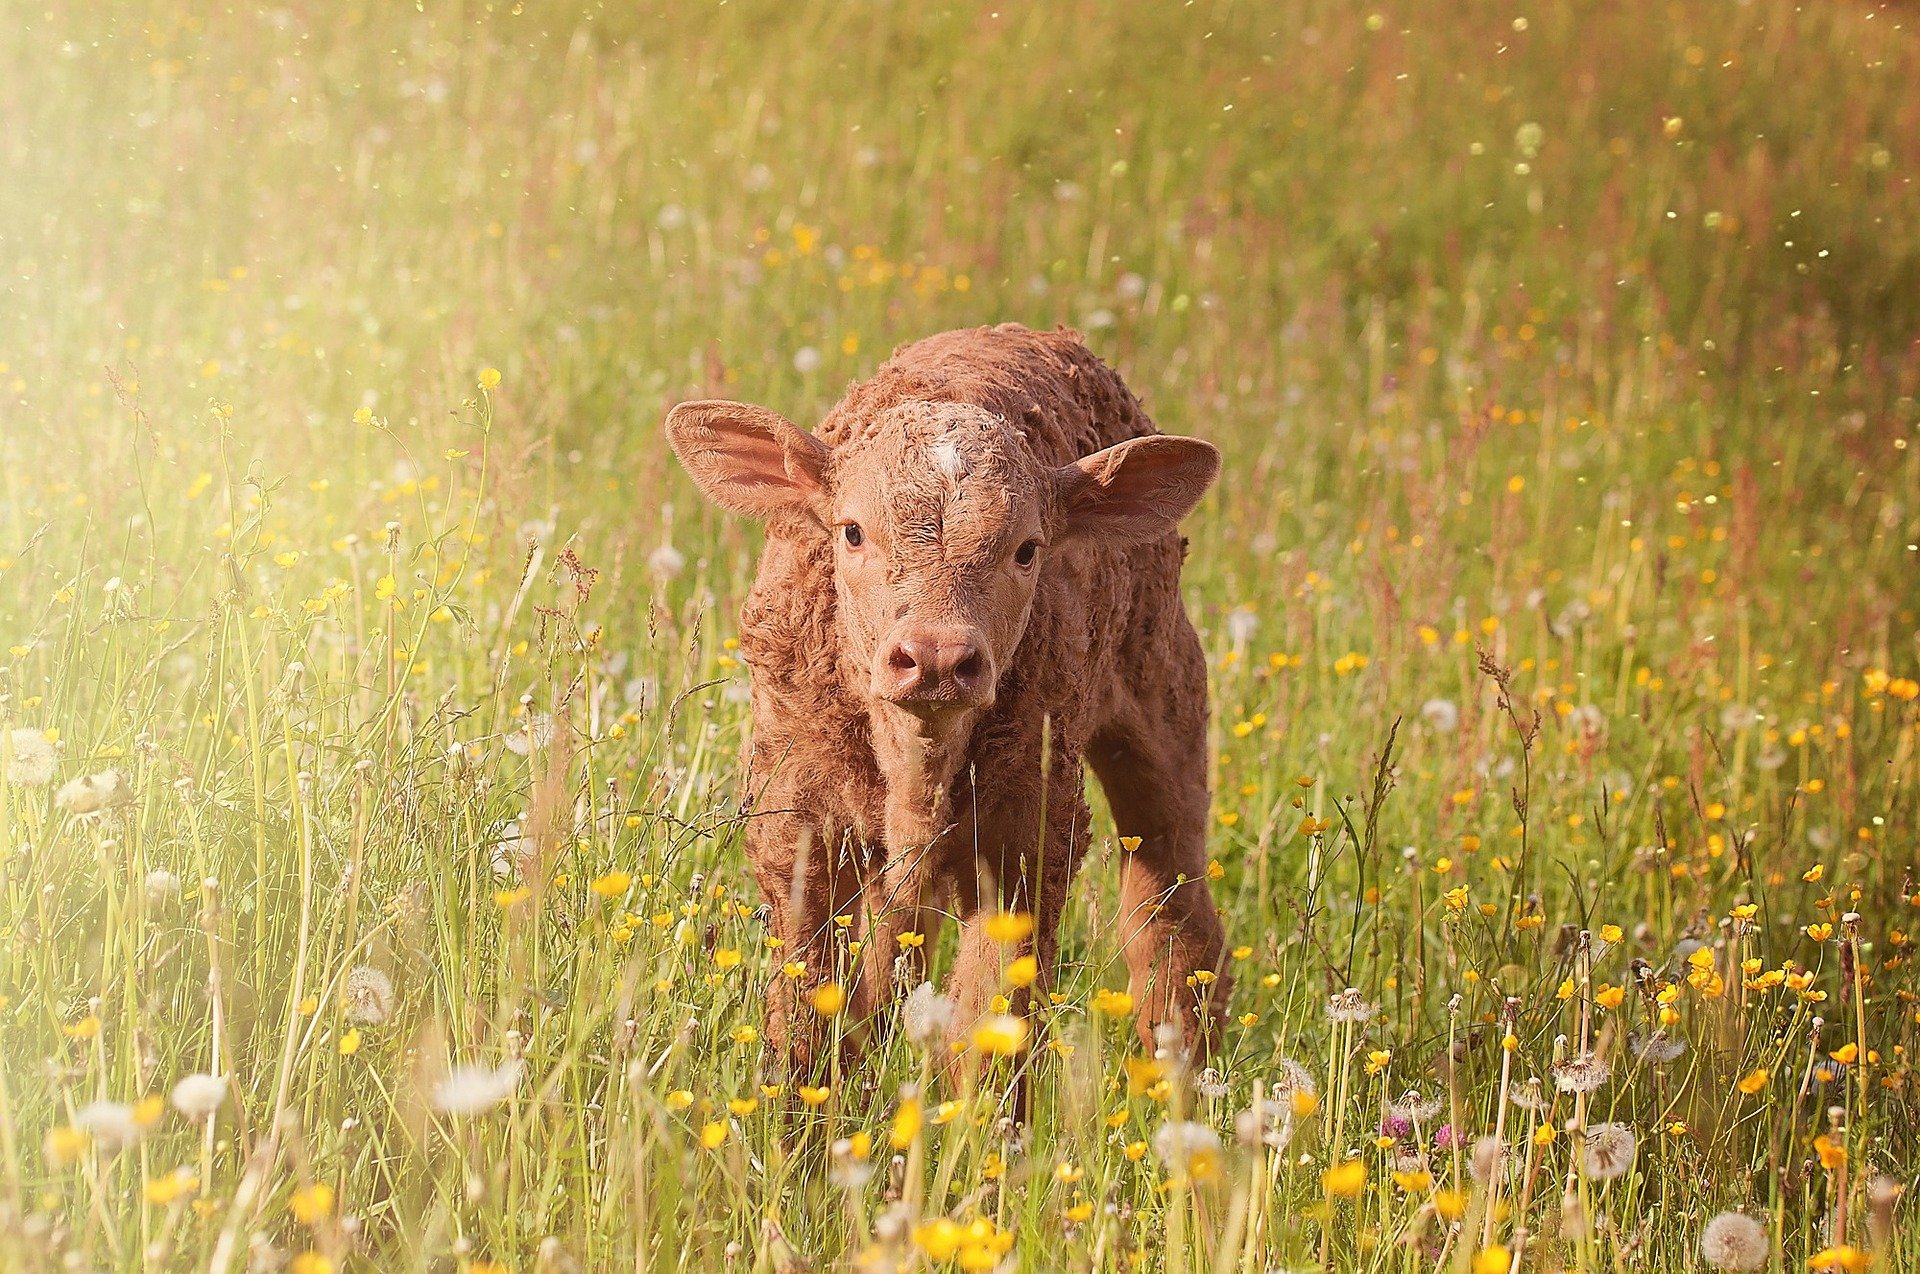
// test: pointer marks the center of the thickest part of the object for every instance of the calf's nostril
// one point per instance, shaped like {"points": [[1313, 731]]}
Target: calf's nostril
{"points": [[970, 668], [900, 659]]}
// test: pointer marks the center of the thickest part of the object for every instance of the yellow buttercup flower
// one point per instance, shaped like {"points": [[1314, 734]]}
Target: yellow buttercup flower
{"points": [[906, 1122], [313, 1204], [173, 1186], [1009, 927], [1000, 1034], [64, 1145], [1492, 1260], [1345, 1179], [612, 884]]}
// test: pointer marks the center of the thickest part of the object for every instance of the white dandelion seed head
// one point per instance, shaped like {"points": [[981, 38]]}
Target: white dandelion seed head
{"points": [[1182, 1145], [1242, 623], [1583, 1073], [1414, 1108], [1271, 1124], [368, 997], [1489, 1157], [512, 851], [533, 733], [1659, 1048], [1573, 614], [31, 758], [927, 1015], [1735, 1241], [1529, 1096], [463, 757], [94, 793], [110, 1123], [474, 1089], [1441, 714], [848, 1170], [1293, 1078], [162, 887], [895, 1225], [806, 360], [198, 1096], [1350, 1006], [1211, 1083], [1608, 1151], [666, 561], [1411, 1159]]}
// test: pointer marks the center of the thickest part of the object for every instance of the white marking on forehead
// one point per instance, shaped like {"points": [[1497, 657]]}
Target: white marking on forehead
{"points": [[948, 460]]}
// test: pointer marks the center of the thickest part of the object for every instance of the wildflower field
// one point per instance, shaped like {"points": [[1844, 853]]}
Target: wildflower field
{"points": [[371, 727]]}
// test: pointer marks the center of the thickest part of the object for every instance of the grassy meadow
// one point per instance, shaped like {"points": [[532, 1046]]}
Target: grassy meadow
{"points": [[371, 736]]}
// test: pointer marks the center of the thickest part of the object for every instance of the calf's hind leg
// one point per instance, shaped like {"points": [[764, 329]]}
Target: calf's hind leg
{"points": [[1152, 764]]}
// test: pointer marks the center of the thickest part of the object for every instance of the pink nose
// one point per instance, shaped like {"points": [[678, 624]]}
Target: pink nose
{"points": [[935, 666]]}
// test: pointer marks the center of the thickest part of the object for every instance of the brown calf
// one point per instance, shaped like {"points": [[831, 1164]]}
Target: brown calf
{"points": [[971, 584]]}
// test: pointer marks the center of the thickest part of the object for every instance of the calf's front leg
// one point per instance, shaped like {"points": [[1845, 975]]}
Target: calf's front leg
{"points": [[1018, 873]]}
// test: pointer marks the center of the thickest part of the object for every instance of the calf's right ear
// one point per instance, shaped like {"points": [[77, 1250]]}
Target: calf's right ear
{"points": [[747, 459]]}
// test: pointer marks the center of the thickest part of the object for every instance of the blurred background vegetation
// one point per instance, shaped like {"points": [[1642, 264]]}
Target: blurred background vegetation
{"points": [[1583, 334]]}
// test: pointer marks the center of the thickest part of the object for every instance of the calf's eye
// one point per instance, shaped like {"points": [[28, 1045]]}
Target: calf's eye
{"points": [[1024, 555], [855, 537]]}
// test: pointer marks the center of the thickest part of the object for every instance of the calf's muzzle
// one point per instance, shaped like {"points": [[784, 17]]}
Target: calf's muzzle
{"points": [[928, 668]]}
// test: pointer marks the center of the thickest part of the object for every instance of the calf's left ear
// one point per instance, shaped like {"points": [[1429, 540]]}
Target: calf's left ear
{"points": [[748, 459], [1134, 490]]}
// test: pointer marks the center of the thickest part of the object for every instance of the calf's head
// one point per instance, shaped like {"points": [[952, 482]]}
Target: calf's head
{"points": [[942, 523]]}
